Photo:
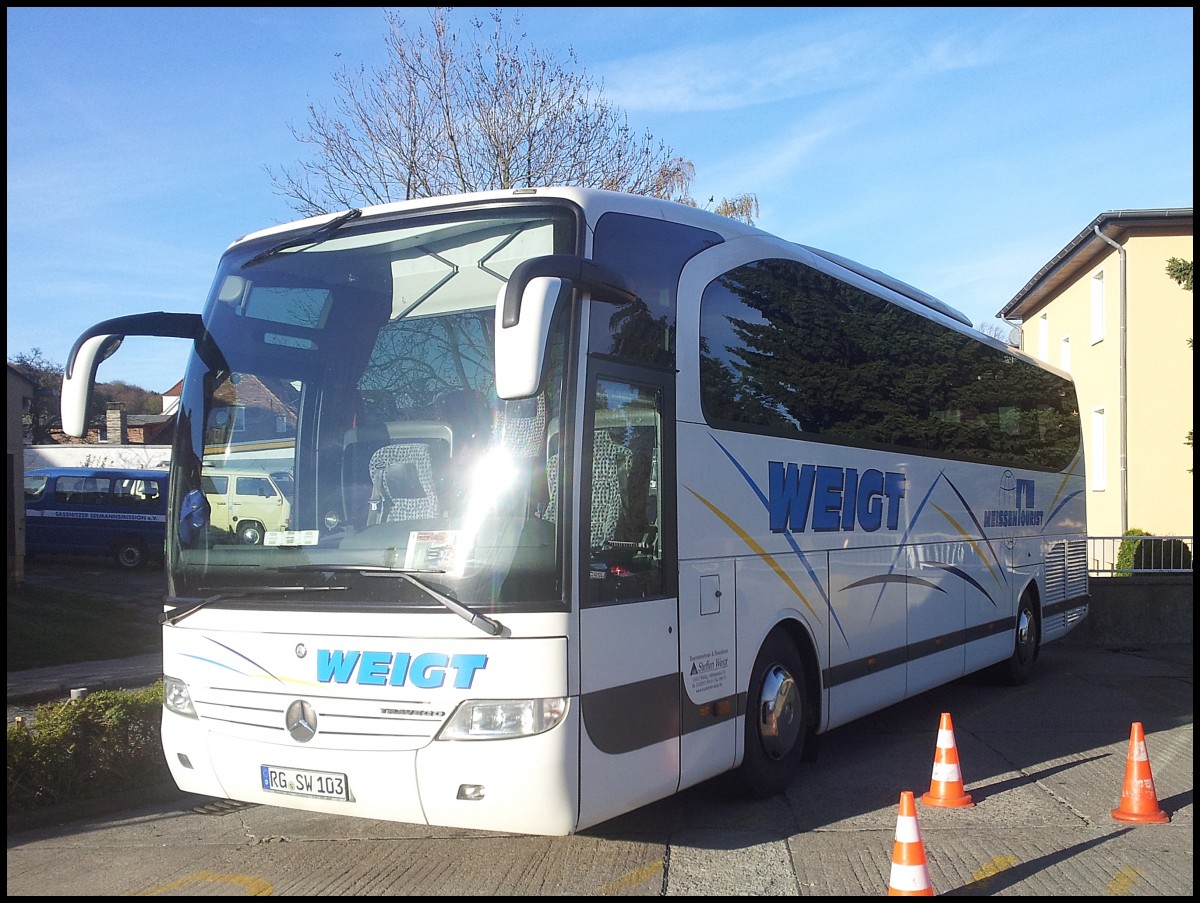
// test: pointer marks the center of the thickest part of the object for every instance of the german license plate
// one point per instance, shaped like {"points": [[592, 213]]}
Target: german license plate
{"points": [[324, 785]]}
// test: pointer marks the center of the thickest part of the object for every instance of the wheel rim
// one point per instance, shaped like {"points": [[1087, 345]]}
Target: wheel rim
{"points": [[130, 556], [251, 536], [1026, 635], [779, 720]]}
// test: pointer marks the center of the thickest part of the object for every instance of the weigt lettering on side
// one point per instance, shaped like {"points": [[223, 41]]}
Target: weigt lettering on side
{"points": [[838, 498], [789, 496]]}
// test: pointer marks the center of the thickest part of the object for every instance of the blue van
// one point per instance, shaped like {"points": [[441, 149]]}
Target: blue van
{"points": [[117, 513]]}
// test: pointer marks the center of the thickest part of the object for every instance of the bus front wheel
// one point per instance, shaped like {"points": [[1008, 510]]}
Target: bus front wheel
{"points": [[776, 719]]}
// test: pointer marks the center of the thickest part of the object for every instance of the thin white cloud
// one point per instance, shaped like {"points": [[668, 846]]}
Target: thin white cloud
{"points": [[798, 61]]}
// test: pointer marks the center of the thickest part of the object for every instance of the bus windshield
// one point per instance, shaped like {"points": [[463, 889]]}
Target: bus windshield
{"points": [[339, 421]]}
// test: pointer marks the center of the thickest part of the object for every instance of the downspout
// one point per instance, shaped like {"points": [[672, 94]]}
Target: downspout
{"points": [[1122, 416]]}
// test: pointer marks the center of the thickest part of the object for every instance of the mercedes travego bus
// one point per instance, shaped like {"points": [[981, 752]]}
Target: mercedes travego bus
{"points": [[594, 497]]}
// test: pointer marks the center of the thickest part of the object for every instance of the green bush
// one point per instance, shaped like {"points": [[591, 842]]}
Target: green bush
{"points": [[1162, 554], [105, 743], [1150, 554], [1127, 551]]}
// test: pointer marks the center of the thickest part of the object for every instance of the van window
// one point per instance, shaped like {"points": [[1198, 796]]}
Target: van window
{"points": [[131, 493], [287, 485], [214, 485], [35, 486], [259, 486], [82, 490]]}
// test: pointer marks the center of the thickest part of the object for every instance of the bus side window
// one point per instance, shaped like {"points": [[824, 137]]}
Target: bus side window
{"points": [[626, 499], [610, 469], [553, 440]]}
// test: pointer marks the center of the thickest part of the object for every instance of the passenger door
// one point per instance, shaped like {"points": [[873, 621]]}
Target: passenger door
{"points": [[629, 624]]}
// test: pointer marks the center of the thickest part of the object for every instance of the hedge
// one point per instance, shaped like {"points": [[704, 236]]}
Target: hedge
{"points": [[107, 742]]}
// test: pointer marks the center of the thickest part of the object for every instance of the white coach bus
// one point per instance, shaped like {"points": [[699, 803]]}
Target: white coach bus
{"points": [[595, 497]]}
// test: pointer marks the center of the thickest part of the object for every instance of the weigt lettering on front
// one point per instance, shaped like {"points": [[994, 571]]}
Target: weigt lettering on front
{"points": [[426, 671]]}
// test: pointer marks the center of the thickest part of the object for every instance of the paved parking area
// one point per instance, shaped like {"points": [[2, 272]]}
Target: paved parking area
{"points": [[1045, 764]]}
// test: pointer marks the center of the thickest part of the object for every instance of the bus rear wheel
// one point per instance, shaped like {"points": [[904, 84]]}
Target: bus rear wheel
{"points": [[776, 719], [1015, 671]]}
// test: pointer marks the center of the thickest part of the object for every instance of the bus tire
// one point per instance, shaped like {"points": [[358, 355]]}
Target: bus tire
{"points": [[250, 533], [776, 719], [1015, 671], [130, 554]]}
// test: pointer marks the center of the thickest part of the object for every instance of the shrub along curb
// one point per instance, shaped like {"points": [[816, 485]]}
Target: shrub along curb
{"points": [[75, 752]]}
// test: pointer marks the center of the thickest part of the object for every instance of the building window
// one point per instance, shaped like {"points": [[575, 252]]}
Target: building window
{"points": [[1043, 338], [1097, 462], [1064, 353], [1098, 307]]}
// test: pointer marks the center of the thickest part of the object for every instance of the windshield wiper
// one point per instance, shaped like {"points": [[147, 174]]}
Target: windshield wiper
{"points": [[164, 618], [490, 626], [315, 237]]}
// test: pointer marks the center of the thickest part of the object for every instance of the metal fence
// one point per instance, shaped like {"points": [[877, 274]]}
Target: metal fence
{"points": [[1115, 556]]}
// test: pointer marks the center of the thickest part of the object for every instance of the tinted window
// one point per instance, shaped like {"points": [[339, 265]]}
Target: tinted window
{"points": [[214, 485], [257, 486], [286, 484], [652, 253], [129, 492], [35, 486], [626, 508], [789, 350], [72, 490]]}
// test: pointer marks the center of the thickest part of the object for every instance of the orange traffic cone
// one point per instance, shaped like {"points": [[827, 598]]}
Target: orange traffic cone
{"points": [[946, 788], [1139, 802], [910, 871]]}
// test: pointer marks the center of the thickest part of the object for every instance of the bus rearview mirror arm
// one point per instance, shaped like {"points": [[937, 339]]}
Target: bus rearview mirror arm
{"points": [[99, 342]]}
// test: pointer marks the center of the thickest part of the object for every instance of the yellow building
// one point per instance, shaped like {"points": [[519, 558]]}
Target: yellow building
{"points": [[1105, 310]]}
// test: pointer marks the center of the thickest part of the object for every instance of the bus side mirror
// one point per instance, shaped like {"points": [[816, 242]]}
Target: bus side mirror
{"points": [[79, 378], [100, 341], [526, 304], [521, 347]]}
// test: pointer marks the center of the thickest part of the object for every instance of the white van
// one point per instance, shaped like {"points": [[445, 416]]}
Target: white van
{"points": [[247, 504]]}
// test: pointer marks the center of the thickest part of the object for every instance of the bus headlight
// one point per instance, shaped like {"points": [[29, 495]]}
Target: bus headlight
{"points": [[501, 719], [176, 697]]}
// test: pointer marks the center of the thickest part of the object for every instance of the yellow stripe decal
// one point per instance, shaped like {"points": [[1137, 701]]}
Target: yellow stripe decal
{"points": [[756, 548], [974, 545]]}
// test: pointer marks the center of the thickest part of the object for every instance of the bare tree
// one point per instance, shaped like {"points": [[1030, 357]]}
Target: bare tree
{"points": [[44, 417], [997, 329], [450, 114], [43, 414], [742, 207]]}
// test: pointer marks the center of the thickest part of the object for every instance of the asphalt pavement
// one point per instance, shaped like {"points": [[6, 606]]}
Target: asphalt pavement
{"points": [[1046, 763]]}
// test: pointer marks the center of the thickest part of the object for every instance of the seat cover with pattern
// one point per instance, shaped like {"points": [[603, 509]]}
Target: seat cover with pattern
{"points": [[402, 483]]}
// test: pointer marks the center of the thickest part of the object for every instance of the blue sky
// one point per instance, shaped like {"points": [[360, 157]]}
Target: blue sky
{"points": [[957, 149]]}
